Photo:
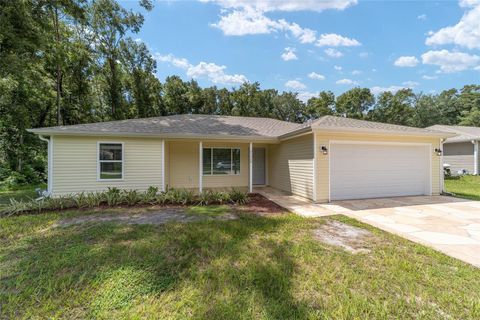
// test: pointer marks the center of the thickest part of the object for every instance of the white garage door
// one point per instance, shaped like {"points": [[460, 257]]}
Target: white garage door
{"points": [[378, 170]]}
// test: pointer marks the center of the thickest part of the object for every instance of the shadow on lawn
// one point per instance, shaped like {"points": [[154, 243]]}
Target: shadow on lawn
{"points": [[103, 268]]}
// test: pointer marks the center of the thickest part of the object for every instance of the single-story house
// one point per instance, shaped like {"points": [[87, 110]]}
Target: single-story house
{"points": [[330, 158], [461, 152]]}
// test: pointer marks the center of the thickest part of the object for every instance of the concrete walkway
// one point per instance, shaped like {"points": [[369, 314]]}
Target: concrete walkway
{"points": [[447, 224]]}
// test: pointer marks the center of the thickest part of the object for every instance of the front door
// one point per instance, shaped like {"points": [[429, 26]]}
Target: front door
{"points": [[258, 171]]}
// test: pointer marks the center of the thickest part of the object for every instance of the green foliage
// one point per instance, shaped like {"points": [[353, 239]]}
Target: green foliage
{"points": [[80, 200], [114, 197], [131, 197], [238, 196], [150, 196]]}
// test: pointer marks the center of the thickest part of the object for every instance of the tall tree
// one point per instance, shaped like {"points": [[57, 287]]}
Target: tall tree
{"points": [[110, 22], [322, 105], [354, 103], [394, 108]]}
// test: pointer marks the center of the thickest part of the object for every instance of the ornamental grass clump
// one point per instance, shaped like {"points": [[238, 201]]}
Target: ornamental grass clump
{"points": [[115, 197]]}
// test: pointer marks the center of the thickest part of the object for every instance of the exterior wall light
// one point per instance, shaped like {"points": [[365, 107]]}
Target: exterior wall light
{"points": [[324, 150], [438, 151]]}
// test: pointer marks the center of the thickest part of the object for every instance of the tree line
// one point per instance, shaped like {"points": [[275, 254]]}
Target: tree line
{"points": [[67, 62]]}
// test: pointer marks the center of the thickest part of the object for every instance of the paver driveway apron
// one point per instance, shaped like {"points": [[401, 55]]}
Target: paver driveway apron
{"points": [[447, 224]]}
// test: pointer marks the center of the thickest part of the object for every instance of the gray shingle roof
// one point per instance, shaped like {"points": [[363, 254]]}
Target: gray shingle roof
{"points": [[188, 125], [464, 133], [347, 124], [184, 125]]}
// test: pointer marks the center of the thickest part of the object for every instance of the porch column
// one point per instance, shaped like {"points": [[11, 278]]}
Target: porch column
{"points": [[200, 167], [475, 157], [162, 168], [250, 166]]}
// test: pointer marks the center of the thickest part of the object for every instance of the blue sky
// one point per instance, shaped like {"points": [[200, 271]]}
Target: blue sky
{"points": [[308, 46]]}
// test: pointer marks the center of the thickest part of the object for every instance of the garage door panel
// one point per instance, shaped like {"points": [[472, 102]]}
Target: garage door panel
{"points": [[371, 171]]}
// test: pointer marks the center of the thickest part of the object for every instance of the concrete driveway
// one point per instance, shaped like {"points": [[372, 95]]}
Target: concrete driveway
{"points": [[448, 224]]}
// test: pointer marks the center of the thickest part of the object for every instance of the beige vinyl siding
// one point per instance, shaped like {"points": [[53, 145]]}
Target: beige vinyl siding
{"points": [[75, 164], [322, 166], [459, 156], [291, 166], [184, 166]]}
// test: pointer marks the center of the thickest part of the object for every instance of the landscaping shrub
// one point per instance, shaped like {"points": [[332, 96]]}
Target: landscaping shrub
{"points": [[238, 196], [114, 196], [130, 197]]}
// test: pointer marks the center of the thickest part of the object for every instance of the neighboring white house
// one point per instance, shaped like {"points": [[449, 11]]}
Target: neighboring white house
{"points": [[330, 158], [460, 153]]}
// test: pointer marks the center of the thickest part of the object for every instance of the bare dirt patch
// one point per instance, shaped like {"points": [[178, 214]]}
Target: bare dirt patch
{"points": [[162, 216], [260, 205], [350, 238]]}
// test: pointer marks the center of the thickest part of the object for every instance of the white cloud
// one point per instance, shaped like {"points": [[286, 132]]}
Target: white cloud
{"points": [[410, 84], [215, 73], [422, 17], [465, 33], [246, 21], [346, 82], [304, 35], [363, 54], [286, 5], [250, 21], [356, 72], [306, 95], [316, 76], [295, 84], [289, 54], [392, 89], [181, 63], [338, 68], [450, 62], [335, 40], [208, 70], [333, 53], [429, 77], [248, 17], [406, 61]]}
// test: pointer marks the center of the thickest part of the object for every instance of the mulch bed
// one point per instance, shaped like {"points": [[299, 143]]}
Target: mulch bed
{"points": [[260, 205]]}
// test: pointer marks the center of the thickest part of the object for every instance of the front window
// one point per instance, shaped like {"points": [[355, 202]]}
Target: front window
{"points": [[221, 161], [110, 161]]}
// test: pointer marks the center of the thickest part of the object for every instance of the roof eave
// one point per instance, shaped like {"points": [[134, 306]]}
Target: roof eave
{"points": [[155, 135], [295, 133], [384, 132], [462, 140]]}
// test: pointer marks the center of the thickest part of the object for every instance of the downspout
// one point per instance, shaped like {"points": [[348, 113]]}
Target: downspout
{"points": [[49, 163], [475, 157], [442, 172]]}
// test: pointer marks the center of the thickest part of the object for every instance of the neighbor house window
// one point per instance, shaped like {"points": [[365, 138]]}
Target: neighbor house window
{"points": [[221, 161], [110, 161]]}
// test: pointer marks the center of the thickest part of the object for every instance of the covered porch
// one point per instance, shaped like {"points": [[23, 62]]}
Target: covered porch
{"points": [[214, 164]]}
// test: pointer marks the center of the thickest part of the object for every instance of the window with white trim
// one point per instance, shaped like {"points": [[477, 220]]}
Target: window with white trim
{"points": [[221, 161], [110, 161]]}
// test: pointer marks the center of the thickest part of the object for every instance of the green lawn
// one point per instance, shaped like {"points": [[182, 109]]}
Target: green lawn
{"points": [[22, 193], [464, 187], [268, 267]]}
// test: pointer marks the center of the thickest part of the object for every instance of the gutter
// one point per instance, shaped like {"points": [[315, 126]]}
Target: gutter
{"points": [[385, 132], [157, 135]]}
